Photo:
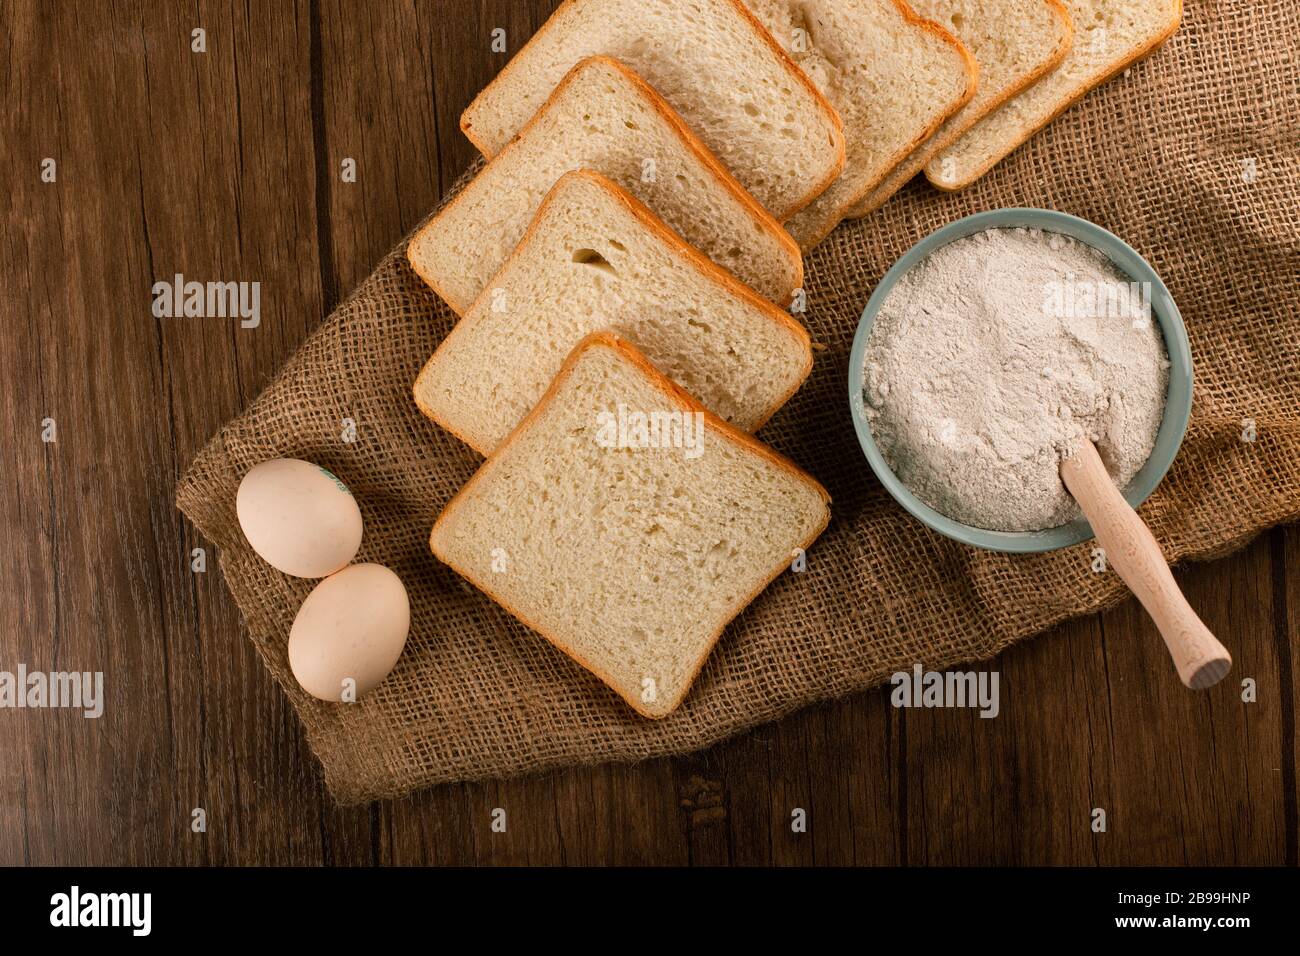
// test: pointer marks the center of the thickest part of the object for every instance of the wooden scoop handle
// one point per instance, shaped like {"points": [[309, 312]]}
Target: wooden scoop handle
{"points": [[1132, 551]]}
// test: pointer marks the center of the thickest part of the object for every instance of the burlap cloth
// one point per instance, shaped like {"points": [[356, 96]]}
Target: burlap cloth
{"points": [[1190, 156]]}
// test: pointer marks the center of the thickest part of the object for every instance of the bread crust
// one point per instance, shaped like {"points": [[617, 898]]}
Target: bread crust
{"points": [[1064, 40], [466, 120], [835, 216], [694, 145], [1073, 97], [676, 394], [695, 258]]}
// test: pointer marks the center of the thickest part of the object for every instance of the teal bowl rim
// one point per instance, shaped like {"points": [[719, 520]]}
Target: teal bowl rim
{"points": [[1178, 400]]}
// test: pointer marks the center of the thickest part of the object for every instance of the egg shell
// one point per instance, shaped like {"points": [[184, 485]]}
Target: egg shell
{"points": [[352, 625], [298, 517]]}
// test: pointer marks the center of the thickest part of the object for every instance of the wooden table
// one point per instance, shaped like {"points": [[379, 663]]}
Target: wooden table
{"points": [[226, 164]]}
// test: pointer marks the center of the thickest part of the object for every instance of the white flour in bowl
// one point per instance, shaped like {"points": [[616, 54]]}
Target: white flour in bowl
{"points": [[993, 356]]}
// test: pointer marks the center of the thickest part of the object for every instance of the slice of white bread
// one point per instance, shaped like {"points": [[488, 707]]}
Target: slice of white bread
{"points": [[712, 61], [1015, 43], [628, 545], [892, 76], [593, 258], [1108, 36], [604, 117]]}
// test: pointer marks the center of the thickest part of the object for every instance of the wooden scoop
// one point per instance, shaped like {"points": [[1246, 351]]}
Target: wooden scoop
{"points": [[1132, 551]]}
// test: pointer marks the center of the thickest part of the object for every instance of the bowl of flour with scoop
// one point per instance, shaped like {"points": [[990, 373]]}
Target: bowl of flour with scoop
{"points": [[1021, 381]]}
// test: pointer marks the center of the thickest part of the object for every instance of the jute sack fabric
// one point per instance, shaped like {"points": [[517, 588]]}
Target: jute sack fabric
{"points": [[1190, 156]]}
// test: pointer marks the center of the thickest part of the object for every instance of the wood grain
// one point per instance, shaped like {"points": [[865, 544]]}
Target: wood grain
{"points": [[226, 165], [1134, 554]]}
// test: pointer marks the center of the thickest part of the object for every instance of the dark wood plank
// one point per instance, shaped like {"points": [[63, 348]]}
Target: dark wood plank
{"points": [[170, 161], [1285, 551], [1193, 770], [1094, 717], [236, 203]]}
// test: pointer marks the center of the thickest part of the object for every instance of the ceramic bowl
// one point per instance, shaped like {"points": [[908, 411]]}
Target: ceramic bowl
{"points": [[1178, 403]]}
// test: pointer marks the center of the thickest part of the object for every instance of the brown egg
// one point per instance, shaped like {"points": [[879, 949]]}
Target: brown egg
{"points": [[298, 517], [349, 632]]}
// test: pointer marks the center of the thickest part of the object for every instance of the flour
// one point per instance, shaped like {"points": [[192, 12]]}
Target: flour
{"points": [[989, 361]]}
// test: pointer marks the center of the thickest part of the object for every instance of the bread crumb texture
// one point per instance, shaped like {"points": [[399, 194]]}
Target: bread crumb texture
{"points": [[630, 559], [591, 262], [707, 59], [605, 119], [1107, 35], [891, 79]]}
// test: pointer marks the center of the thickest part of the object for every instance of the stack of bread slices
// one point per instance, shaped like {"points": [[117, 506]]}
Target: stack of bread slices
{"points": [[625, 267]]}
